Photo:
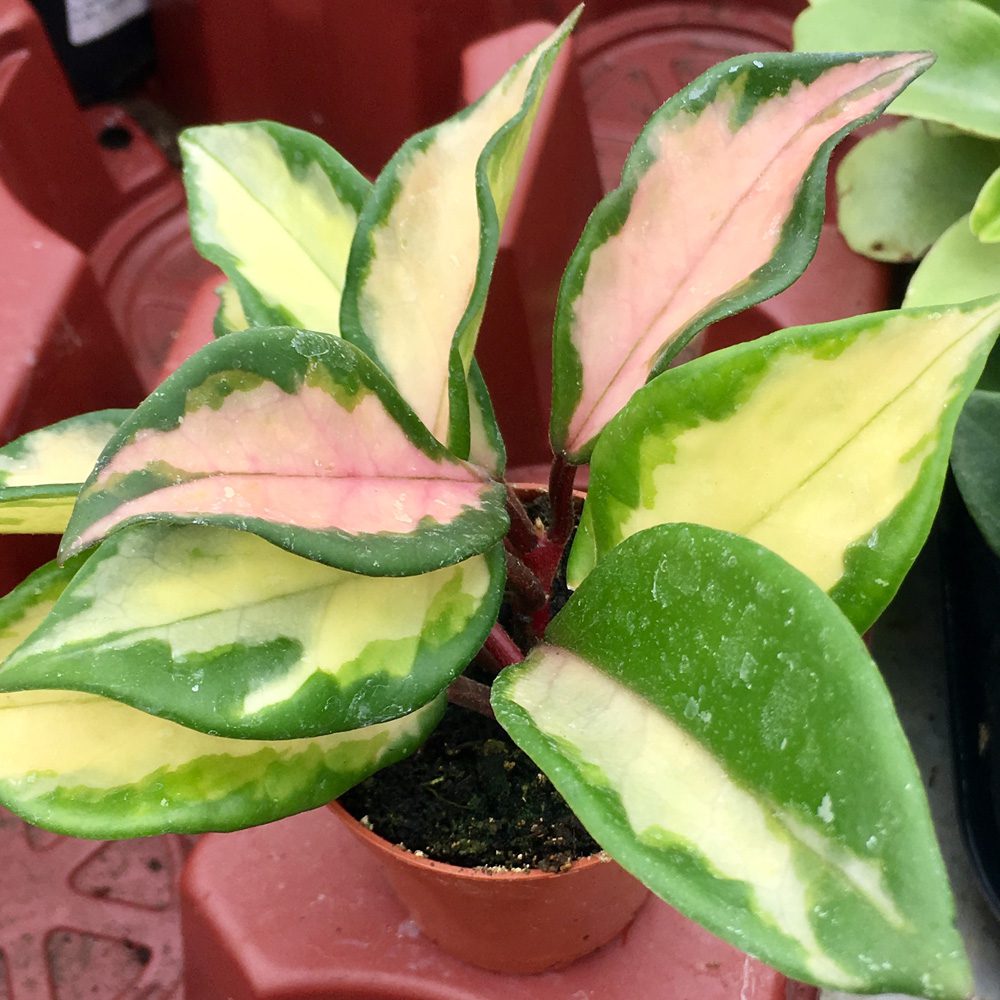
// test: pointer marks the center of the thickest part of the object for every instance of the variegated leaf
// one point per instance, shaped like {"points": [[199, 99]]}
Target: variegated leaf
{"points": [[958, 268], [222, 632], [230, 317], [276, 208], [828, 444], [723, 734], [42, 471], [153, 776], [720, 206], [963, 87], [985, 218], [428, 237], [299, 438], [486, 447]]}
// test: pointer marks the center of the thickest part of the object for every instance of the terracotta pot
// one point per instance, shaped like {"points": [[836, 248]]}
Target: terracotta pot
{"points": [[509, 921]]}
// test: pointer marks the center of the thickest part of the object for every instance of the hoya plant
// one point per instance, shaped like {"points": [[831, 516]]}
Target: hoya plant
{"points": [[284, 559]]}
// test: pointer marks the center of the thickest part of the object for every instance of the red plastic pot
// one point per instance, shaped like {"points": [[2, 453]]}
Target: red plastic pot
{"points": [[508, 921]]}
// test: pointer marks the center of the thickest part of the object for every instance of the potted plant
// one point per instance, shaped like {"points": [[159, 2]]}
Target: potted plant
{"points": [[285, 557]]}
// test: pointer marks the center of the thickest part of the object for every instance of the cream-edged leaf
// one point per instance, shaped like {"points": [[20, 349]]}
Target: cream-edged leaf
{"points": [[828, 444], [276, 208], [720, 207], [225, 633], [428, 236], [301, 439], [718, 726], [229, 317], [42, 471], [116, 772]]}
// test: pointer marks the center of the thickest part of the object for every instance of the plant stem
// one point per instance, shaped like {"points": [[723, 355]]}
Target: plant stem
{"points": [[561, 480], [502, 647], [522, 533], [524, 588], [470, 694]]}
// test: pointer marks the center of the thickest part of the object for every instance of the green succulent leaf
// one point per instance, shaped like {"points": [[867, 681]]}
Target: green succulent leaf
{"points": [[427, 240], [961, 89], [42, 471], [958, 268], [720, 729], [276, 209], [301, 439], [985, 218], [975, 460], [222, 632], [901, 188], [486, 447], [720, 207], [828, 444]]}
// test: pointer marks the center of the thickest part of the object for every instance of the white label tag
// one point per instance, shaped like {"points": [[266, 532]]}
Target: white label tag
{"points": [[87, 20]]}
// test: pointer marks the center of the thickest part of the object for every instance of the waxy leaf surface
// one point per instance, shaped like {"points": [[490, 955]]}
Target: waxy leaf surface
{"points": [[963, 86], [90, 767], [720, 206], [958, 268], [427, 240], [223, 632], [975, 460], [720, 729], [42, 471], [299, 438], [901, 188], [276, 208], [828, 444]]}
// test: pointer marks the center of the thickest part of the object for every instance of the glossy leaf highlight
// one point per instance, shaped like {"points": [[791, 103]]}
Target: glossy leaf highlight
{"points": [[828, 444], [299, 438], [42, 471], [720, 206], [725, 736]]}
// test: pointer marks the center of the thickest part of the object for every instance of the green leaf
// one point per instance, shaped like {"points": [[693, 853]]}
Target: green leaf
{"points": [[720, 729], [828, 444], [222, 632], [301, 439], [42, 471], [958, 268], [153, 776], [428, 237], [486, 447], [985, 218], [900, 188], [975, 460], [963, 86], [229, 318], [276, 208], [720, 207]]}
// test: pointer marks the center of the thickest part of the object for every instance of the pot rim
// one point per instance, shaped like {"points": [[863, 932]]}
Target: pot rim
{"points": [[459, 872]]}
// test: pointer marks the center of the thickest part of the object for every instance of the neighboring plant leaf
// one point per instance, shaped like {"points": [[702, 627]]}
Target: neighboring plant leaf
{"points": [[154, 776], [299, 438], [975, 460], [961, 89], [222, 632], [229, 318], [985, 218], [42, 471], [428, 236], [720, 206], [958, 268], [276, 209], [724, 735], [828, 444], [899, 189]]}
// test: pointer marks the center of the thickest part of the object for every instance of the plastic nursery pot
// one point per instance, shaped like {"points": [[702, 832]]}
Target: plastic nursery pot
{"points": [[508, 921]]}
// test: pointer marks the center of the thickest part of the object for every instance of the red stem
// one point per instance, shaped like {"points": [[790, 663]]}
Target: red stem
{"points": [[525, 588], [467, 693], [522, 533], [502, 647], [561, 480]]}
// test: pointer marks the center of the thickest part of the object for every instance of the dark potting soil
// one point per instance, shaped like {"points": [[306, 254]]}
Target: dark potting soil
{"points": [[470, 797]]}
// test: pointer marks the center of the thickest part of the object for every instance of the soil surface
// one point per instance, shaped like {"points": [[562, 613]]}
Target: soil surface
{"points": [[470, 797]]}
